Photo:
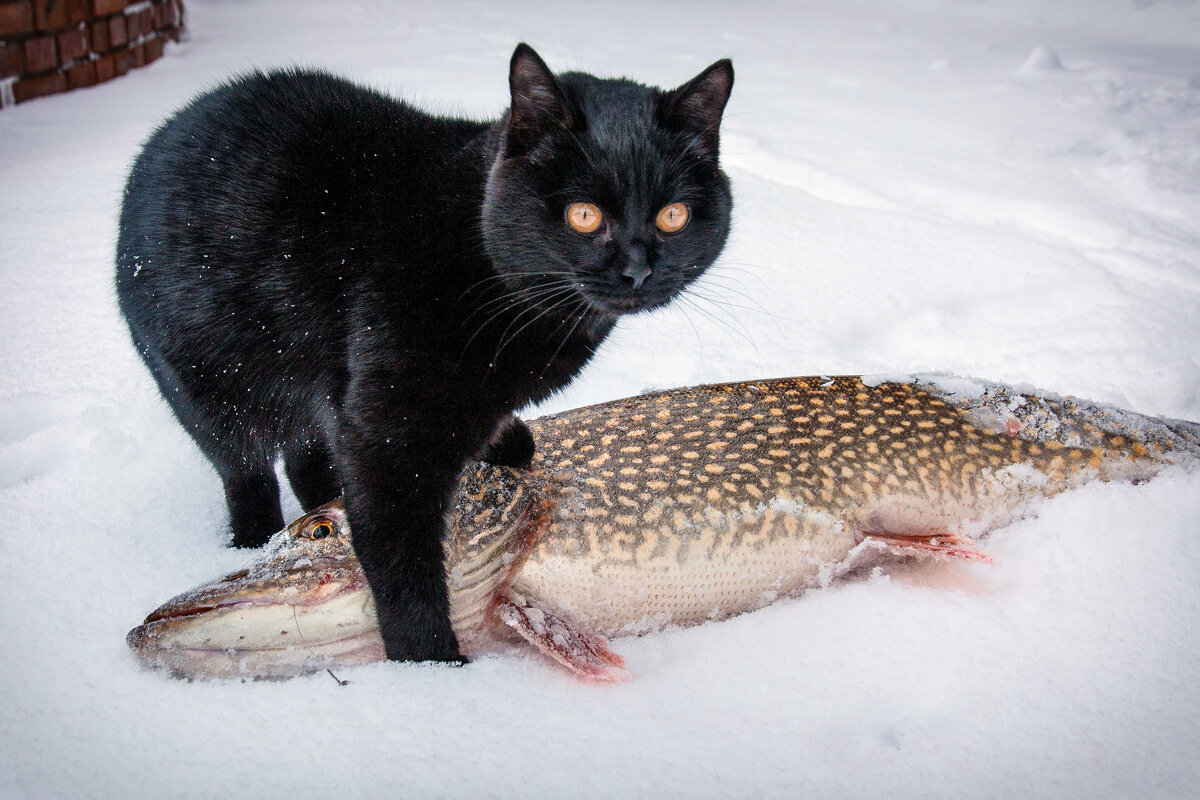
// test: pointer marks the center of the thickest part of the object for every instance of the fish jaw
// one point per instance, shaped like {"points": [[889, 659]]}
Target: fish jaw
{"points": [[262, 634], [271, 640], [301, 606]]}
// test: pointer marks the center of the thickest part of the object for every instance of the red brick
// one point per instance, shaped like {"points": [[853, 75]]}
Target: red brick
{"points": [[165, 12], [133, 25], [78, 11], [29, 88], [50, 15], [72, 45], [116, 30], [10, 59], [81, 75], [102, 8], [16, 18], [147, 20], [40, 54], [105, 69], [154, 49], [101, 43], [125, 60]]}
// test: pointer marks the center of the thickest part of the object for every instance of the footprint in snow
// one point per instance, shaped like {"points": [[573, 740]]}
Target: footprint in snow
{"points": [[40, 434]]}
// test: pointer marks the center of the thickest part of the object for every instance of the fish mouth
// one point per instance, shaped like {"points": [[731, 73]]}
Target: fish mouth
{"points": [[240, 626], [314, 585]]}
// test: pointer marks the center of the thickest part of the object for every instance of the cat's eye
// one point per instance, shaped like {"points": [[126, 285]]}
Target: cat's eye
{"points": [[672, 218], [584, 217]]}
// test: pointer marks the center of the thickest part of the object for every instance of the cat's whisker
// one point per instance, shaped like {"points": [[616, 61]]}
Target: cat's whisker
{"points": [[580, 309], [522, 293], [494, 278], [737, 328], [735, 270], [722, 299], [718, 297], [520, 301], [504, 342], [519, 293], [497, 278], [683, 310]]}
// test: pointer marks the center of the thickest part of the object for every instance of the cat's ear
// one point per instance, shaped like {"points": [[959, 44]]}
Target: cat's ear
{"points": [[538, 103], [696, 107]]}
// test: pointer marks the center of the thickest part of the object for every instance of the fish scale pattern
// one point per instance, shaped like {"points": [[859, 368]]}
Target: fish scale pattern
{"points": [[830, 443]]}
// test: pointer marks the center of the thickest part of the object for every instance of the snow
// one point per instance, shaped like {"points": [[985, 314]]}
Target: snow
{"points": [[1000, 190]]}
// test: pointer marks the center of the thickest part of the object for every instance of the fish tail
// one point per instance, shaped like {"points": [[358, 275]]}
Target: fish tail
{"points": [[1044, 417]]}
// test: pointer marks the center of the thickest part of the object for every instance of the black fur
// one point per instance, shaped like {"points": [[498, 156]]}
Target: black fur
{"points": [[313, 269]]}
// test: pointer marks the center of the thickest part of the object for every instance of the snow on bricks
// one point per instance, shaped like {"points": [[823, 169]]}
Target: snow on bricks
{"points": [[50, 46]]}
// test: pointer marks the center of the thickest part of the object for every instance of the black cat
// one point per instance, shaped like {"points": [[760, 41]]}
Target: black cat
{"points": [[315, 269]]}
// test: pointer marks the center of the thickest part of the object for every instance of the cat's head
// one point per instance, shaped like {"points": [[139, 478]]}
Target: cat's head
{"points": [[606, 195]]}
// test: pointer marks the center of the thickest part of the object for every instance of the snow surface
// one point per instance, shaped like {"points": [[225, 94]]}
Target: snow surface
{"points": [[1001, 190]]}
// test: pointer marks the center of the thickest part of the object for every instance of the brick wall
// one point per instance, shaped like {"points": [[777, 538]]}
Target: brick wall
{"points": [[49, 46]]}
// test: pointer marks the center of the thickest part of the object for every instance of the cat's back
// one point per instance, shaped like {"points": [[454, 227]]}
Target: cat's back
{"points": [[274, 111], [267, 128], [254, 146], [292, 163], [239, 204]]}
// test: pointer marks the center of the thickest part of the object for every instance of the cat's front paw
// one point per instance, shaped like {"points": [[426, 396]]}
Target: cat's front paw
{"points": [[511, 445], [420, 637]]}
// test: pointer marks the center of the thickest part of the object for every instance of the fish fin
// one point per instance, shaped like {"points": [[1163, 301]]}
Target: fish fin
{"points": [[549, 630], [939, 542]]}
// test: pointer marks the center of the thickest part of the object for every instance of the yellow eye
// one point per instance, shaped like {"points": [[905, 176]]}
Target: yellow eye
{"points": [[584, 217], [320, 529], [672, 218]]}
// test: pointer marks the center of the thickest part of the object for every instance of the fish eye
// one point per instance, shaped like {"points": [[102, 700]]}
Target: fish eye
{"points": [[584, 217], [320, 529], [672, 218]]}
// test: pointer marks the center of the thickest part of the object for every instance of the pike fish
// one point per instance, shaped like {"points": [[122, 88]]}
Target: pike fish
{"points": [[674, 509]]}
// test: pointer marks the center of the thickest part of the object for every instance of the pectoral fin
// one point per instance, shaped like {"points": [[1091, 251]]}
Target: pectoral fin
{"points": [[552, 632], [939, 542]]}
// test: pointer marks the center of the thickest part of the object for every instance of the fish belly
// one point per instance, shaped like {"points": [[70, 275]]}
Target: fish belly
{"points": [[653, 579]]}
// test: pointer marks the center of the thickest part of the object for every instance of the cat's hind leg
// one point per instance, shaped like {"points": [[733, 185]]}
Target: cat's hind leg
{"points": [[311, 472], [244, 463], [246, 467], [253, 498]]}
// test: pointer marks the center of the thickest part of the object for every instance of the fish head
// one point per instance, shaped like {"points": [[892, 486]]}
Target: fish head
{"points": [[304, 604], [301, 605]]}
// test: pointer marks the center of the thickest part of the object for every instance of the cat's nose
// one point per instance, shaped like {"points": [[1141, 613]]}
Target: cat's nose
{"points": [[636, 269], [637, 274]]}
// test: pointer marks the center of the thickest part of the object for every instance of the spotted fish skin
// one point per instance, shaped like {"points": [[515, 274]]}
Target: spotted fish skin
{"points": [[699, 503], [675, 508]]}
